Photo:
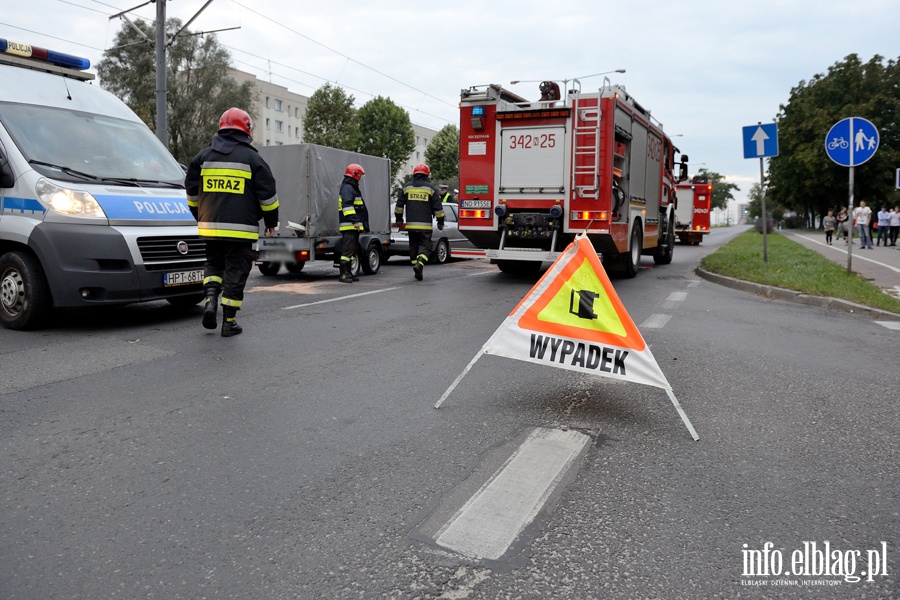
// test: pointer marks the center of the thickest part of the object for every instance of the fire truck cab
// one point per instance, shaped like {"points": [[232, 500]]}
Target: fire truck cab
{"points": [[534, 174]]}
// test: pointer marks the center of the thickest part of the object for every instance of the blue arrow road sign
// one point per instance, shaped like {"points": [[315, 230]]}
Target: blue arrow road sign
{"points": [[761, 140], [851, 141]]}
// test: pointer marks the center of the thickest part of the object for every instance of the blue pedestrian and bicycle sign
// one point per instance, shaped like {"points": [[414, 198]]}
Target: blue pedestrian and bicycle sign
{"points": [[761, 140], [851, 141]]}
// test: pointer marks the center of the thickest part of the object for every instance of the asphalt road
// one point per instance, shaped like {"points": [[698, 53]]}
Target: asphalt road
{"points": [[144, 457]]}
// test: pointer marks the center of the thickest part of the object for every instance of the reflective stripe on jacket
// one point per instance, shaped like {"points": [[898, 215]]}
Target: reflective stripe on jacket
{"points": [[351, 206]]}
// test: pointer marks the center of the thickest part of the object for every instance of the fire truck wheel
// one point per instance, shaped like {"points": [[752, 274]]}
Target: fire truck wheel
{"points": [[633, 258], [269, 268], [665, 251], [521, 268]]}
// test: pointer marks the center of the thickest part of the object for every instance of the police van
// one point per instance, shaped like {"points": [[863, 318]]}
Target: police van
{"points": [[92, 205]]}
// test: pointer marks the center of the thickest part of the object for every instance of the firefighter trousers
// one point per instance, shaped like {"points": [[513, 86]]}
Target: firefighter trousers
{"points": [[228, 265], [349, 245], [419, 246]]}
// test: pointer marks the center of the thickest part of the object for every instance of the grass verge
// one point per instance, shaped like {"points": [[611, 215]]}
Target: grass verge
{"points": [[793, 267]]}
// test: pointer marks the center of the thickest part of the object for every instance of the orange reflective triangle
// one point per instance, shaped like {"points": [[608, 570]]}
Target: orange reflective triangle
{"points": [[581, 304]]}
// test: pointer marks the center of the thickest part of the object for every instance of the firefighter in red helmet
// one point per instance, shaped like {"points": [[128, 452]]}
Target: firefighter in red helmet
{"points": [[353, 217], [422, 203], [229, 189]]}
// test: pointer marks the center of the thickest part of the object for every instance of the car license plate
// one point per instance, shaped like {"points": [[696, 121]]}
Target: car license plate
{"points": [[183, 277], [475, 204]]}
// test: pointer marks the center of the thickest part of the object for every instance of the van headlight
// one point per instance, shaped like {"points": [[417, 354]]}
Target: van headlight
{"points": [[75, 203]]}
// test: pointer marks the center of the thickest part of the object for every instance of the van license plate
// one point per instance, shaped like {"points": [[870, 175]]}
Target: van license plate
{"points": [[183, 277]]}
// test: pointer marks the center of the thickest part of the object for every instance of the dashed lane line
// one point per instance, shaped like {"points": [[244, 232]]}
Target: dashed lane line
{"points": [[491, 520], [656, 321]]}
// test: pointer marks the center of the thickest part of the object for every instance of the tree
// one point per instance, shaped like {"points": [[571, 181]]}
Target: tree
{"points": [[722, 190], [802, 177], [385, 130], [331, 119], [199, 88], [442, 154]]}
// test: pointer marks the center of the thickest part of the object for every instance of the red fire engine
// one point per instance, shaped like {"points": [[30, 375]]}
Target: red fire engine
{"points": [[692, 210], [533, 175]]}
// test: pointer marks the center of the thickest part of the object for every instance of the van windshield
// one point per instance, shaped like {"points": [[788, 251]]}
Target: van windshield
{"points": [[58, 143]]}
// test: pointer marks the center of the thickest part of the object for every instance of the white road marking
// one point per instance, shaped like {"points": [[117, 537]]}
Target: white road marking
{"points": [[490, 521], [336, 299], [656, 322], [895, 325], [856, 254], [676, 297]]}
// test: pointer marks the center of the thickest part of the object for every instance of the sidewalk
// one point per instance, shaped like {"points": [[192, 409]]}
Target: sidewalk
{"points": [[881, 265]]}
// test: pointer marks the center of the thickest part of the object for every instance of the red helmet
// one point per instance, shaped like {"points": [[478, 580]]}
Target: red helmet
{"points": [[235, 118], [355, 171], [423, 169]]}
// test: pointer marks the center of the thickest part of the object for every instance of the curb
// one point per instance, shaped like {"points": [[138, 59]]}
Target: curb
{"points": [[800, 298]]}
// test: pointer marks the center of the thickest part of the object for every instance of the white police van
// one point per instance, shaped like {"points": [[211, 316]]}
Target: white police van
{"points": [[92, 205]]}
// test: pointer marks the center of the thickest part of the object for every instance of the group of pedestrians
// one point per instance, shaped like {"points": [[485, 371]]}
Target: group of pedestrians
{"points": [[885, 225], [230, 188]]}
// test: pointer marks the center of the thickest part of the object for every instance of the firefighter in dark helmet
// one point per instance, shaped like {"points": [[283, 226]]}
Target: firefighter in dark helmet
{"points": [[353, 219], [229, 189], [422, 202]]}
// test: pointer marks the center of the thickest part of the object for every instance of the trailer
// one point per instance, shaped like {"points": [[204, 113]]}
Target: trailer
{"points": [[692, 210], [534, 174], [308, 178]]}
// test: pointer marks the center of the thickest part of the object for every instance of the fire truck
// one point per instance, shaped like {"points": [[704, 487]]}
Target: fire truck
{"points": [[692, 210], [534, 174]]}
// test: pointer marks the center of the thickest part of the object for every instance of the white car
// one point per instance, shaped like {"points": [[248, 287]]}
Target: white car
{"points": [[443, 241]]}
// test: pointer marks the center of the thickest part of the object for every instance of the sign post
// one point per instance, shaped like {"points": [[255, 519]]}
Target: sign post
{"points": [[851, 142], [761, 141]]}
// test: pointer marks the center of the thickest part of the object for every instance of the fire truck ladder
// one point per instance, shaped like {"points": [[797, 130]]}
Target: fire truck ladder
{"points": [[586, 142]]}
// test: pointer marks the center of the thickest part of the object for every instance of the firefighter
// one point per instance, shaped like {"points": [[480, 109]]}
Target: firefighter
{"points": [[229, 189], [354, 219], [421, 201]]}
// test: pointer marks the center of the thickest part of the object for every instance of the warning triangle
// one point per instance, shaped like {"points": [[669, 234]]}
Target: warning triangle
{"points": [[580, 303]]}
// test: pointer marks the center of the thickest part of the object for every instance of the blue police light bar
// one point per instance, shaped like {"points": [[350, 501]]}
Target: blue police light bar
{"points": [[42, 54]]}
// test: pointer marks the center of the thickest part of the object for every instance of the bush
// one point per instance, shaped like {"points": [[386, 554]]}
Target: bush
{"points": [[770, 225], [795, 222]]}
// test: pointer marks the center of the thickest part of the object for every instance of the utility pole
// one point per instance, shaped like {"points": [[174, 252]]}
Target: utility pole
{"points": [[162, 126]]}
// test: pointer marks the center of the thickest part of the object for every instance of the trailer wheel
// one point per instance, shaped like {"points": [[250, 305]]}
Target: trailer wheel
{"points": [[442, 252], [371, 259], [24, 294], [633, 258], [269, 268], [665, 251], [520, 268], [295, 267]]}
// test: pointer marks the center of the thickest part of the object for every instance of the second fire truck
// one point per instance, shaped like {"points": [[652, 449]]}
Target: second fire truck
{"points": [[692, 210], [534, 174]]}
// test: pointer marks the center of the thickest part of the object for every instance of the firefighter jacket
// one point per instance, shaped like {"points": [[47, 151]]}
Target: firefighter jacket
{"points": [[230, 188], [421, 201], [351, 206]]}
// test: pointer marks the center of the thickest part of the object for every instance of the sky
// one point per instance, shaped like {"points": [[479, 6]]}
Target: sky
{"points": [[704, 68]]}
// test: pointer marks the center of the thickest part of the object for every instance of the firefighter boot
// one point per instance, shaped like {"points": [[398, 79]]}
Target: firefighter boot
{"points": [[417, 271], [230, 326], [210, 306], [345, 273]]}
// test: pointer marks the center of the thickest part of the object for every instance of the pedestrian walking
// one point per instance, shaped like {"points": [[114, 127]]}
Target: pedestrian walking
{"points": [[842, 224], [828, 224], [884, 218], [354, 219], [229, 189], [894, 224], [863, 215], [422, 204]]}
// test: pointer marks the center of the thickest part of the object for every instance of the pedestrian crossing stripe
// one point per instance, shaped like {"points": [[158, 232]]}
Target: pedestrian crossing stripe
{"points": [[580, 302]]}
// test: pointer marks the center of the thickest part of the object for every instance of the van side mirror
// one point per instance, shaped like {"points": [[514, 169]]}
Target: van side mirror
{"points": [[7, 178]]}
